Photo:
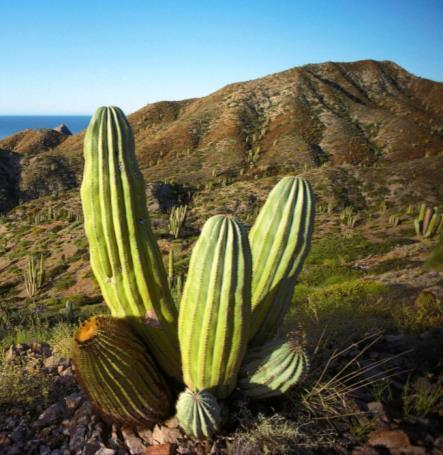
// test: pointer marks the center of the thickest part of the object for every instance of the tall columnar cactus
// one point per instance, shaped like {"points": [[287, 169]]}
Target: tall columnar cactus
{"points": [[215, 313], [124, 254], [215, 309], [177, 219], [429, 222], [280, 240], [34, 275], [119, 376], [272, 369]]}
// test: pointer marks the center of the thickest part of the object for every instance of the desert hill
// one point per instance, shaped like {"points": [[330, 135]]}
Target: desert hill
{"points": [[366, 113]]}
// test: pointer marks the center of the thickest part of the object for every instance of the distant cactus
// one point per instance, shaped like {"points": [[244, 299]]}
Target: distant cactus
{"points": [[34, 275], [429, 222], [177, 219], [394, 220]]}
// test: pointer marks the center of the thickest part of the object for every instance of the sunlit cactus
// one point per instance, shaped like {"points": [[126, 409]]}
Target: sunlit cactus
{"points": [[125, 257], [198, 413], [272, 369], [117, 373], [280, 240]]}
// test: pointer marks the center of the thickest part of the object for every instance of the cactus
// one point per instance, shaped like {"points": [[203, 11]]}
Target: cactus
{"points": [[117, 373], [125, 257], [280, 240], [394, 220], [34, 275], [272, 369], [215, 309], [177, 219], [429, 222], [198, 413]]}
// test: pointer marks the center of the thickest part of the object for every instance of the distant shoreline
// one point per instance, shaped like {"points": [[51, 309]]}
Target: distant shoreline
{"points": [[11, 124]]}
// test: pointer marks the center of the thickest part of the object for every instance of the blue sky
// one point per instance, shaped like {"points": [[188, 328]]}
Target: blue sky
{"points": [[71, 56]]}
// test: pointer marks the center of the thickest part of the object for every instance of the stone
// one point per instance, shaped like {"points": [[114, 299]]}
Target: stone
{"points": [[134, 443], [165, 435], [77, 439], [73, 401], [51, 362], [51, 415], [365, 450], [391, 439], [63, 129], [105, 451], [160, 449], [172, 422], [146, 435]]}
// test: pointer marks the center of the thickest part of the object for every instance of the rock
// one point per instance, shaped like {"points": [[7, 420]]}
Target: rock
{"points": [[391, 439], [51, 415], [105, 451], [146, 435], [172, 422], [10, 354], [165, 435], [51, 362], [91, 448], [18, 435], [134, 444], [365, 450], [62, 128], [73, 401], [77, 439], [160, 449]]}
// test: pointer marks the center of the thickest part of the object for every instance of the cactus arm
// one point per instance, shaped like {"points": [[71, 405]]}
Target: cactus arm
{"points": [[215, 308], [280, 240], [125, 256]]}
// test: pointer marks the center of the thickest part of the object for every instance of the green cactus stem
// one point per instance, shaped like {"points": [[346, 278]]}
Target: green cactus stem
{"points": [[198, 413], [272, 369], [125, 257], [215, 309], [34, 275], [280, 240], [429, 222], [117, 373]]}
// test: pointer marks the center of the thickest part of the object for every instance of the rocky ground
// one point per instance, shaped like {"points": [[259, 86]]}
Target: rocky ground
{"points": [[385, 416]]}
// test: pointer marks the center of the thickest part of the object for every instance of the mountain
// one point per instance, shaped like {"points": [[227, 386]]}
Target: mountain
{"points": [[366, 113]]}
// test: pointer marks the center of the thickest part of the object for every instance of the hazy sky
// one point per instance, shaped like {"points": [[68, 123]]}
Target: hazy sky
{"points": [[71, 56]]}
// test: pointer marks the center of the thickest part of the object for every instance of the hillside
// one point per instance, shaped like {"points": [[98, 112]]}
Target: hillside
{"points": [[365, 113], [369, 137]]}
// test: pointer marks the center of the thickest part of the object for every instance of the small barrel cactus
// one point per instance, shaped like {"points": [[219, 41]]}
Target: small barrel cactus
{"points": [[272, 369], [118, 374], [198, 413]]}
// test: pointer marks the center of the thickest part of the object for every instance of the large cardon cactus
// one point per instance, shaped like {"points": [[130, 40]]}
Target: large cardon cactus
{"points": [[226, 333]]}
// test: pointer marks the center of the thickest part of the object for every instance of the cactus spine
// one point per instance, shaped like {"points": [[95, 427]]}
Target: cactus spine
{"points": [[280, 240], [119, 376], [215, 309], [124, 254], [272, 369], [198, 413]]}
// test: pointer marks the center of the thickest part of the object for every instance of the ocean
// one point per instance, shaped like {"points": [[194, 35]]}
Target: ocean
{"points": [[10, 124]]}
